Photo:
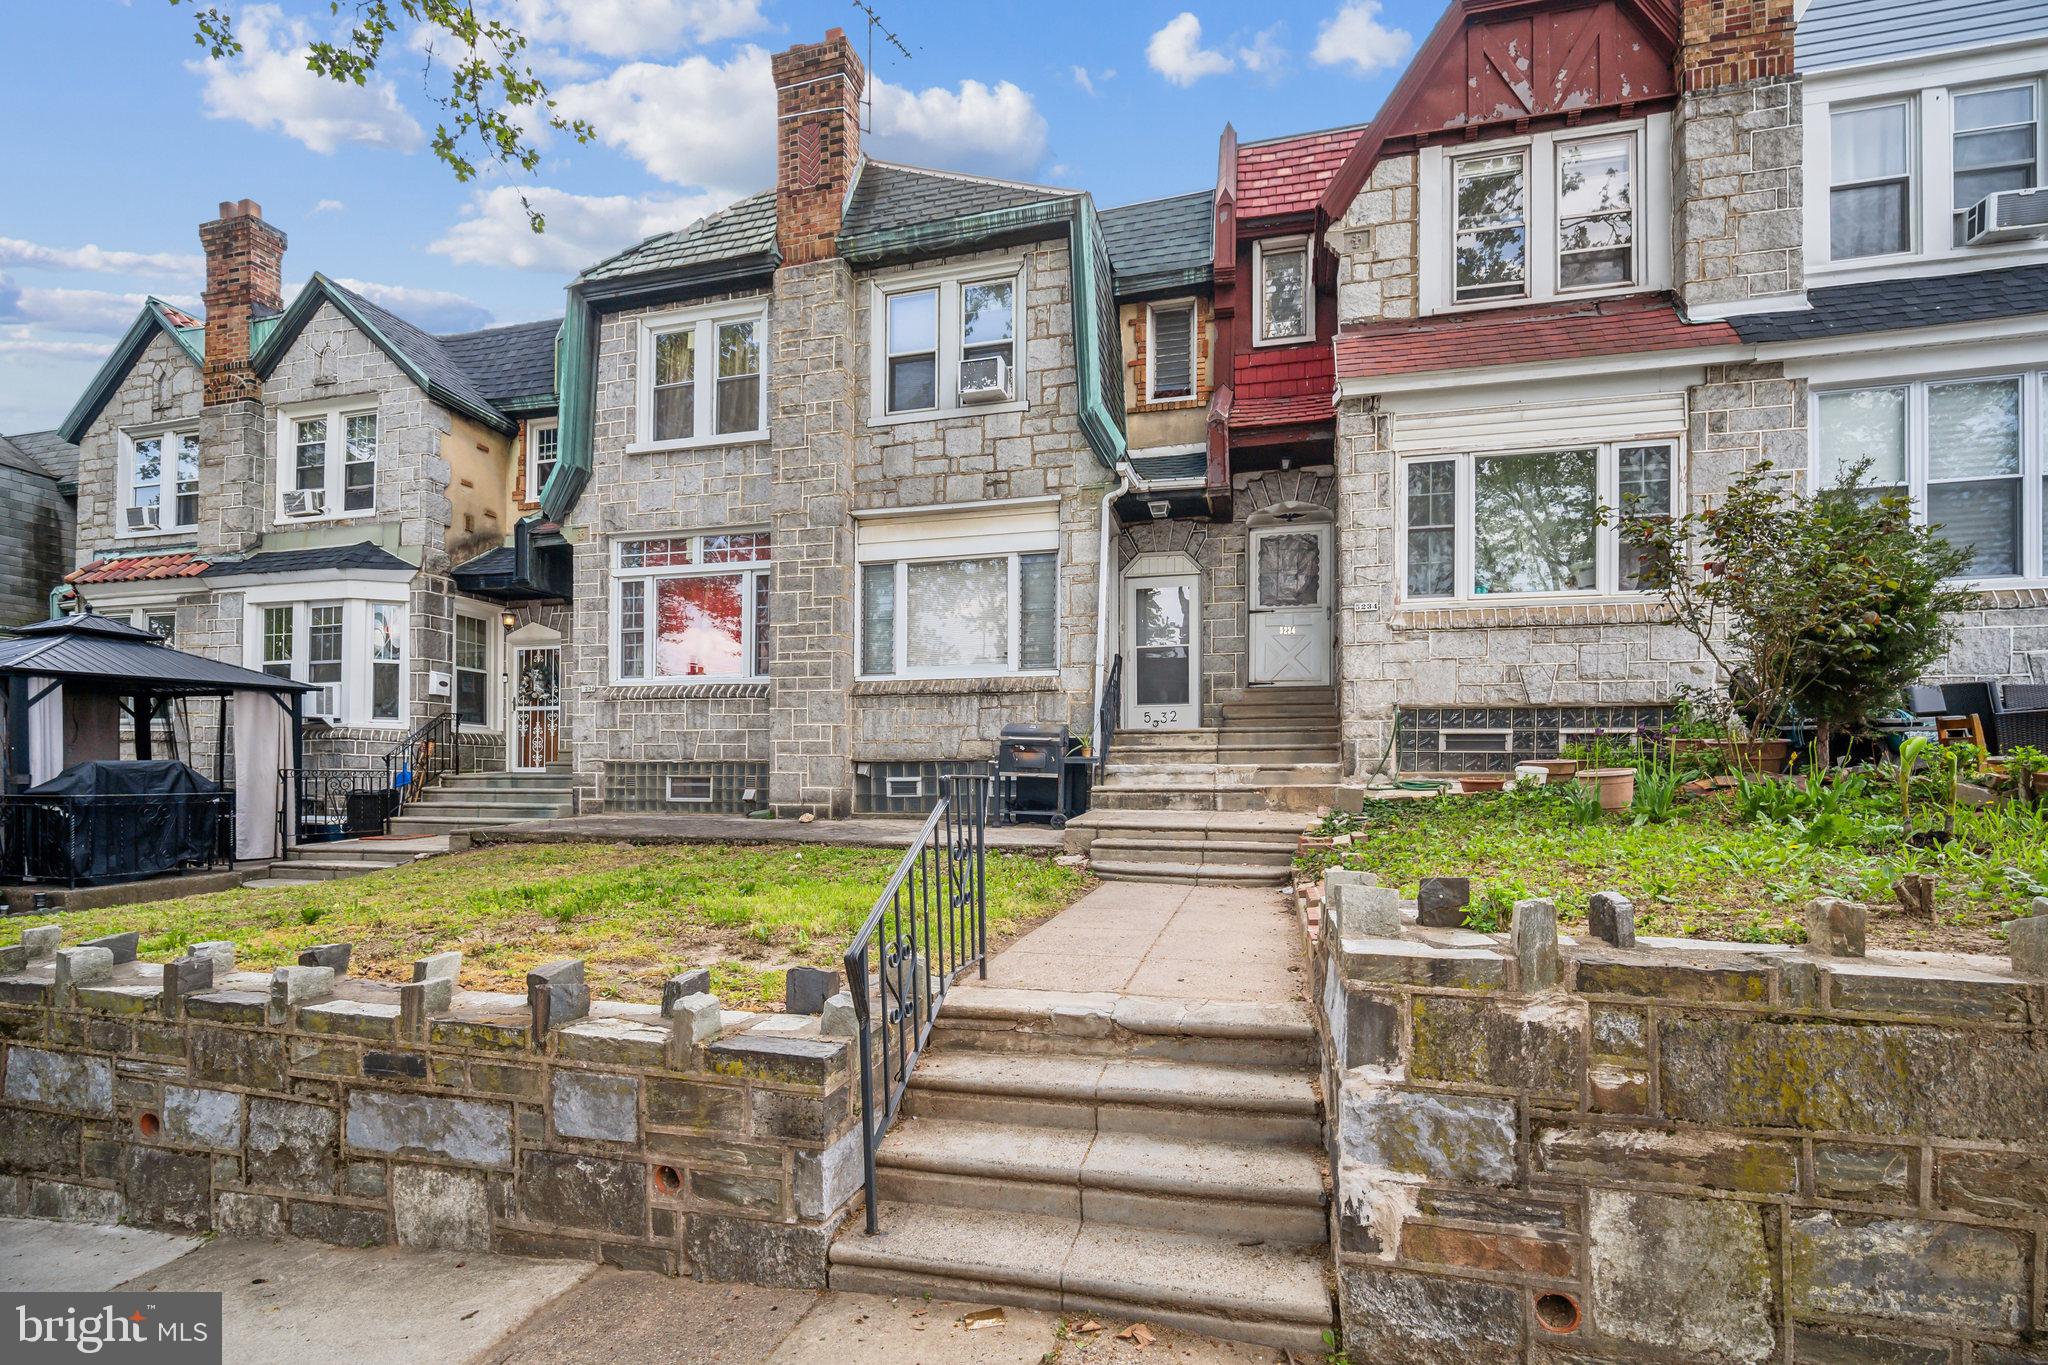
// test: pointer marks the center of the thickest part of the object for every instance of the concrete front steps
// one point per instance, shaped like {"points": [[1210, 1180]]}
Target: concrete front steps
{"points": [[1155, 1161], [1276, 750], [340, 858], [467, 801], [1232, 848]]}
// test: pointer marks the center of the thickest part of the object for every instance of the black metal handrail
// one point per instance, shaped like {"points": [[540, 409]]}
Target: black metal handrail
{"points": [[1112, 707], [47, 836], [430, 752], [930, 924], [334, 803]]}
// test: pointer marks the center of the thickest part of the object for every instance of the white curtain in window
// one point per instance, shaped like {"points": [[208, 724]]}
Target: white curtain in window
{"points": [[1868, 424]]}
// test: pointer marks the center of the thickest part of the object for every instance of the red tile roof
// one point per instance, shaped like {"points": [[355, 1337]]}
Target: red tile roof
{"points": [[1288, 175], [137, 568], [1282, 386], [1523, 336]]}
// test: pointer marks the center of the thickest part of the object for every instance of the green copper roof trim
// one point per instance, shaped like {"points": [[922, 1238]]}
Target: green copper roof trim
{"points": [[969, 232], [154, 317], [260, 330], [1098, 337], [193, 339], [320, 290]]}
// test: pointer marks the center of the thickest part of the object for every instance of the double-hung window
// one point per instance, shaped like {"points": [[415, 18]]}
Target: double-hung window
{"points": [[691, 608], [162, 479], [944, 345], [1490, 195], [472, 670], [1170, 351], [1596, 226], [959, 594], [542, 438], [703, 377], [1968, 451], [1281, 295], [1528, 524], [1996, 145], [352, 651], [331, 464], [1870, 183]]}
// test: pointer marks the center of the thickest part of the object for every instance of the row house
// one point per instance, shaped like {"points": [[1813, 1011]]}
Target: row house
{"points": [[324, 492]]}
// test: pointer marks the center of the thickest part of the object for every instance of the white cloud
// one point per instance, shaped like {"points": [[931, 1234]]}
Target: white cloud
{"points": [[268, 86], [15, 251], [990, 130], [1088, 80], [632, 28], [1356, 38], [22, 341], [694, 122], [93, 312], [1264, 53], [330, 206], [1176, 52], [430, 310], [581, 229]]}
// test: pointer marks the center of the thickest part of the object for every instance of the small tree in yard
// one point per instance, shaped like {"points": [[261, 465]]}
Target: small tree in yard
{"points": [[1825, 604]]}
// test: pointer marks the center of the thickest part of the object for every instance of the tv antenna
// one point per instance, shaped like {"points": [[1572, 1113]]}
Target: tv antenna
{"points": [[875, 24]]}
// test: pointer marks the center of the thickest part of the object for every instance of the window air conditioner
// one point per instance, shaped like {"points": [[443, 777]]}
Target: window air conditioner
{"points": [[144, 518], [325, 704], [305, 502], [984, 379], [2006, 216]]}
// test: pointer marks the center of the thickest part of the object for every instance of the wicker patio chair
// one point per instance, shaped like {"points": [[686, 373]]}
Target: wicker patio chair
{"points": [[2023, 716]]}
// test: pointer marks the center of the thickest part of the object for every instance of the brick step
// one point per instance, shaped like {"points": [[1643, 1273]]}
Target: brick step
{"points": [[1266, 1191], [1271, 1295]]}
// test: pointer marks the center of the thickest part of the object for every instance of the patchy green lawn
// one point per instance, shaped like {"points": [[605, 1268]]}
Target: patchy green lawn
{"points": [[636, 913], [1708, 872]]}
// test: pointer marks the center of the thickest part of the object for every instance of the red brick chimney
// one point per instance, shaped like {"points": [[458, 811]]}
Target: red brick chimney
{"points": [[244, 279], [1733, 42], [817, 143]]}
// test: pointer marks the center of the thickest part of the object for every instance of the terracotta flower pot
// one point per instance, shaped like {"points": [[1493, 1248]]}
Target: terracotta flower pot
{"points": [[1616, 786], [1557, 769], [1473, 783]]}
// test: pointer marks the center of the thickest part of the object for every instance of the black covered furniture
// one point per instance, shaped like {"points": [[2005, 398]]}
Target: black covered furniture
{"points": [[108, 821], [2023, 716]]}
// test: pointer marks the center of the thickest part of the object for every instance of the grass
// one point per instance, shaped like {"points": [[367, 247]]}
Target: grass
{"points": [[1706, 871], [636, 913]]}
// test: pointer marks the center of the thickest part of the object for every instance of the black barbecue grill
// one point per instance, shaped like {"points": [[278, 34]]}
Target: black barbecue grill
{"points": [[1031, 773]]}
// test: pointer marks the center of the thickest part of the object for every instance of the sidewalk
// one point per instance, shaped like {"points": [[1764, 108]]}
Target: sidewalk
{"points": [[866, 832], [313, 1304]]}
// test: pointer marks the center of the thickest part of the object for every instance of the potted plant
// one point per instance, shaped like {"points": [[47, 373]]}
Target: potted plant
{"points": [[1616, 787], [1475, 783], [1556, 769]]}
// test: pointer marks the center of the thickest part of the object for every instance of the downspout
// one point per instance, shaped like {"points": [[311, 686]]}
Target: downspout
{"points": [[1102, 590]]}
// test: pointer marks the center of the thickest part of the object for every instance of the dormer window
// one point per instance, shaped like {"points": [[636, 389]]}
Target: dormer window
{"points": [[945, 343], [542, 438], [1492, 205], [1281, 297], [702, 376]]}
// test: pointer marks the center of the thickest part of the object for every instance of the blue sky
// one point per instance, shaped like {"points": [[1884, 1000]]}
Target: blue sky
{"points": [[124, 137]]}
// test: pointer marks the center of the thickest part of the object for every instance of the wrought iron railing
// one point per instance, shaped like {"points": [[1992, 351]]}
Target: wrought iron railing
{"points": [[1106, 718], [432, 751], [929, 924], [74, 839], [334, 803]]}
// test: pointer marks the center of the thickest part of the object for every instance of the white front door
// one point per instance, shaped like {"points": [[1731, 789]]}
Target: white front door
{"points": [[1290, 604], [536, 706], [1162, 636]]}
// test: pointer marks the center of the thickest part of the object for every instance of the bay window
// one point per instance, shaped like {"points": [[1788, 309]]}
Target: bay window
{"points": [[1529, 523], [387, 659], [331, 459], [703, 377], [1281, 292], [1870, 194], [691, 608], [352, 650], [160, 476], [1968, 451], [947, 343], [472, 670]]}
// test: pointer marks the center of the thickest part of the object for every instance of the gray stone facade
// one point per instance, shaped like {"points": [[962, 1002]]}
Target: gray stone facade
{"points": [[1738, 173], [161, 388], [1378, 245]]}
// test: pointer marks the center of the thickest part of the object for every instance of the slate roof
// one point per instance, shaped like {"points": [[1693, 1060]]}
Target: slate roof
{"points": [[13, 456], [1524, 336], [1288, 174], [327, 558], [1901, 304], [887, 197], [1161, 242], [425, 351], [55, 454], [739, 229], [1839, 33], [1171, 465], [139, 568], [507, 363]]}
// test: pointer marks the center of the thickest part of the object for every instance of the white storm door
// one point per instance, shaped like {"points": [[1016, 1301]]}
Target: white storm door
{"points": [[536, 707], [1290, 604], [1163, 630]]}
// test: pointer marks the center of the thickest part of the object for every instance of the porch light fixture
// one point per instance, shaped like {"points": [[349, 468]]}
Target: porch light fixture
{"points": [[1159, 508], [508, 620]]}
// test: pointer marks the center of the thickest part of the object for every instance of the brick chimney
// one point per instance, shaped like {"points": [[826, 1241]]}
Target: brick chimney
{"points": [[244, 279], [1732, 42], [817, 143]]}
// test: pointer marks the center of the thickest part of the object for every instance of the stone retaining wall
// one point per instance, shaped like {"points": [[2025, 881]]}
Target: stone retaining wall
{"points": [[309, 1103], [1697, 1153]]}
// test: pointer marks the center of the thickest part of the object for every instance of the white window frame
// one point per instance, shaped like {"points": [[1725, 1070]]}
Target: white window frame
{"points": [[1915, 176], [534, 429], [166, 483], [1607, 535], [356, 600], [946, 385], [1930, 85], [643, 580], [1014, 592], [1306, 246], [2033, 478], [1526, 155], [492, 670], [1650, 192], [1194, 350], [1635, 211], [705, 323], [334, 471]]}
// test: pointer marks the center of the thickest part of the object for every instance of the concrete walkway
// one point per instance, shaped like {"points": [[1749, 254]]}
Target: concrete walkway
{"points": [[312, 1304], [1163, 940], [738, 829]]}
